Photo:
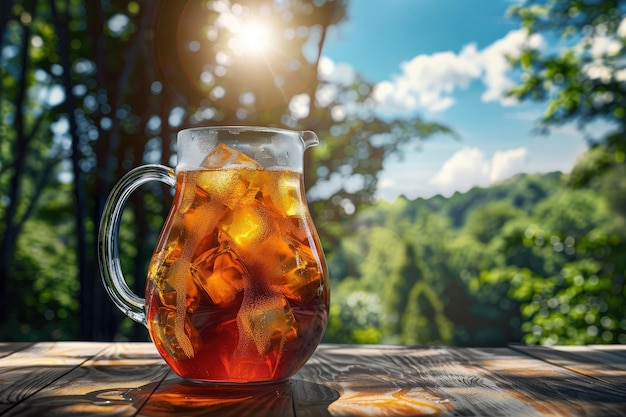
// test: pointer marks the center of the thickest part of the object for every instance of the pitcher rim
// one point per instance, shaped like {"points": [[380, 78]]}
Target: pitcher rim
{"points": [[308, 137], [242, 128]]}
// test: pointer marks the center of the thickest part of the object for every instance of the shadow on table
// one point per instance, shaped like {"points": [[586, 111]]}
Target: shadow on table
{"points": [[178, 397]]}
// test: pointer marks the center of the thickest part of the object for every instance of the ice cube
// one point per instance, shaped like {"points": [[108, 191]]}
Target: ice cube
{"points": [[285, 196], [178, 346], [224, 156], [230, 187], [298, 227], [221, 275], [169, 296], [163, 273], [268, 321], [199, 222], [292, 269], [301, 280], [188, 191], [161, 262], [248, 225]]}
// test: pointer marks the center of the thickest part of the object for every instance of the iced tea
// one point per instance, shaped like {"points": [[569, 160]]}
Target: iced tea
{"points": [[237, 288]]}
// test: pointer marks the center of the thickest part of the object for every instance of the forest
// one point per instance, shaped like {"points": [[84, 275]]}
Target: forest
{"points": [[532, 259], [91, 89]]}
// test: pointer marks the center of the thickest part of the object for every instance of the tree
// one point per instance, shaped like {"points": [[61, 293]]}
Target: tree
{"points": [[27, 158], [423, 321], [121, 77], [485, 223], [582, 80], [397, 289]]}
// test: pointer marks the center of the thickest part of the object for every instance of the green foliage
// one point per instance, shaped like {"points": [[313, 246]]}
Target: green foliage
{"points": [[573, 212], [577, 293], [569, 284], [486, 222], [579, 81], [546, 272], [423, 321], [397, 288], [355, 316], [45, 303]]}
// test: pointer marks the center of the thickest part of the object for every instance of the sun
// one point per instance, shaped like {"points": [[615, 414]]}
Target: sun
{"points": [[253, 37]]}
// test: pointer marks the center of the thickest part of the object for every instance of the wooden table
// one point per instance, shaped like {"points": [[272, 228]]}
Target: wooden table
{"points": [[130, 379]]}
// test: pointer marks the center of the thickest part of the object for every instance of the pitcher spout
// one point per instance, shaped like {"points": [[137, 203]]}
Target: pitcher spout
{"points": [[309, 138]]}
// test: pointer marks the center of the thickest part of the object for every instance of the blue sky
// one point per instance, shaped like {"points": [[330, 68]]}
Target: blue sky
{"points": [[443, 60]]}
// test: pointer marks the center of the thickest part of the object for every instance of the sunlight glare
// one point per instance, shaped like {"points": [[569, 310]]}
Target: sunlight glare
{"points": [[254, 38]]}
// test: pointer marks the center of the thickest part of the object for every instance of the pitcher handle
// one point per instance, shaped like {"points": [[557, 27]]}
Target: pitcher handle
{"points": [[108, 249]]}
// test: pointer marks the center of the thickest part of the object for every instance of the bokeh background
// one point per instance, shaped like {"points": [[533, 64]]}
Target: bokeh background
{"points": [[91, 89]]}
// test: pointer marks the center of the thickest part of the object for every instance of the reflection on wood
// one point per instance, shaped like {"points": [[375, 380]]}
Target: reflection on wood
{"points": [[178, 397], [116, 381], [312, 399], [77, 379], [406, 381]]}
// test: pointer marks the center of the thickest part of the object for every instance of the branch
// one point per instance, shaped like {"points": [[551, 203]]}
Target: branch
{"points": [[39, 186]]}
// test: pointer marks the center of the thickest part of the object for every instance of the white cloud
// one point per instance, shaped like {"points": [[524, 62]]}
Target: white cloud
{"points": [[505, 164], [428, 82], [496, 66], [470, 167]]}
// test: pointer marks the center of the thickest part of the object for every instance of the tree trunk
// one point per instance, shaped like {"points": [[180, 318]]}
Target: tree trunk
{"points": [[19, 152], [85, 275], [97, 309]]}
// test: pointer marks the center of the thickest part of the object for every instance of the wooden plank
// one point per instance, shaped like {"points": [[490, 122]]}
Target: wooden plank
{"points": [[619, 350], [606, 366], [8, 348], [403, 381], [551, 389], [131, 379], [25, 372], [451, 381], [312, 399], [117, 382], [175, 396]]}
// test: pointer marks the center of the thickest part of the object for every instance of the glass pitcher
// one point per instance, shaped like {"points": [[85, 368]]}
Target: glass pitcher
{"points": [[237, 288]]}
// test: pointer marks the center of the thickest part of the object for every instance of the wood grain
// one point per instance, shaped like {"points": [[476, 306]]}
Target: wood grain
{"points": [[130, 379], [617, 349], [455, 382], [7, 349], [605, 365], [116, 381], [25, 372], [549, 388], [388, 380]]}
